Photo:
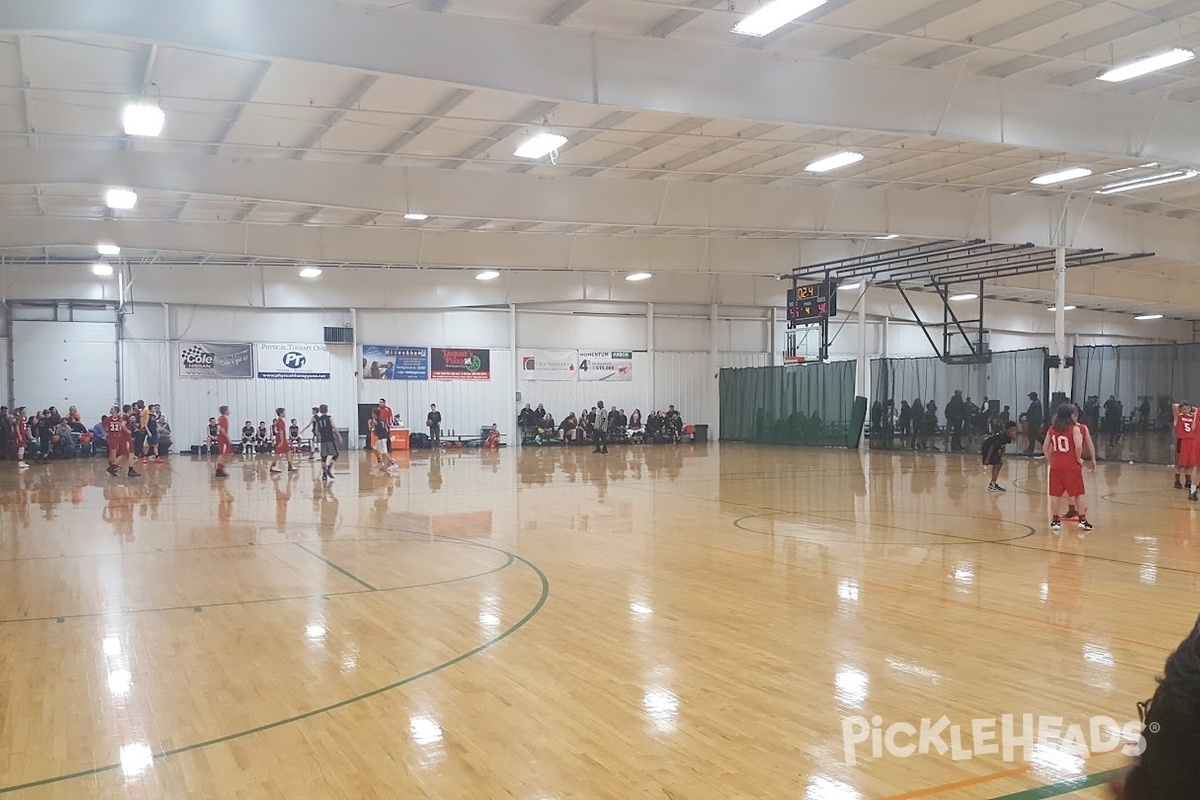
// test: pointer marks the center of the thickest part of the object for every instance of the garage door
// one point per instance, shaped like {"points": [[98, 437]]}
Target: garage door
{"points": [[65, 364]]}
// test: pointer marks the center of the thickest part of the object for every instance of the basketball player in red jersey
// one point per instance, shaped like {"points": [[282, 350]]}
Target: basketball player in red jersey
{"points": [[120, 441], [283, 447], [1064, 448], [21, 436], [1186, 427], [224, 446], [1089, 450]]}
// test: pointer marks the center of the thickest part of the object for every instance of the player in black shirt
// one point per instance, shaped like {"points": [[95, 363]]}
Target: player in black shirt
{"points": [[993, 452], [329, 437], [248, 438]]}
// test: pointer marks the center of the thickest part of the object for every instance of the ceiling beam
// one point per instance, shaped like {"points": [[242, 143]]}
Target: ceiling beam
{"points": [[346, 105], [563, 11], [423, 124], [649, 74], [1049, 220]]}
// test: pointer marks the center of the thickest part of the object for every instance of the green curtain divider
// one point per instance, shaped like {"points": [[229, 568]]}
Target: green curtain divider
{"points": [[809, 405]]}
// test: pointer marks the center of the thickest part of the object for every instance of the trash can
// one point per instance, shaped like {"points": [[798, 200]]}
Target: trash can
{"points": [[701, 434]]}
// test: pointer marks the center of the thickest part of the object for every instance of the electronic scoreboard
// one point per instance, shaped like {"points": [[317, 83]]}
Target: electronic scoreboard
{"points": [[810, 304]]}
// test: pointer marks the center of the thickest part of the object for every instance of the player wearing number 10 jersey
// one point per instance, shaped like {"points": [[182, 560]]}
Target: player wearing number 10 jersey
{"points": [[1064, 447]]}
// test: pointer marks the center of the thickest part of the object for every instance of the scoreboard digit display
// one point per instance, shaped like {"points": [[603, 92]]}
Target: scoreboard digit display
{"points": [[812, 303]]}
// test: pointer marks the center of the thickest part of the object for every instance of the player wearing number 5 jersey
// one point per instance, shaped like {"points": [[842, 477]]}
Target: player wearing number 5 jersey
{"points": [[1064, 447], [1187, 448]]}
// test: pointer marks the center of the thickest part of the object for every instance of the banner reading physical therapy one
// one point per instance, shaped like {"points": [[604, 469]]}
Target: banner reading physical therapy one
{"points": [[383, 363], [460, 364], [216, 360], [548, 365], [305, 362], [606, 365]]}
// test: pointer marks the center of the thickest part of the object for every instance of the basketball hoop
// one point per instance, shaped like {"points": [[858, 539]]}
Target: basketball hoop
{"points": [[793, 361]]}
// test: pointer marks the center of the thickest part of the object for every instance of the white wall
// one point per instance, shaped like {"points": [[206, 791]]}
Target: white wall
{"points": [[679, 371], [674, 361]]}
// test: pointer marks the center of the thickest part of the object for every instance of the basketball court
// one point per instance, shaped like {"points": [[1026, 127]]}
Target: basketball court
{"points": [[792, 262], [563, 624]]}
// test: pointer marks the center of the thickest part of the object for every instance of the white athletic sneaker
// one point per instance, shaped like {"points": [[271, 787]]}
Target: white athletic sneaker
{"points": [[22, 465], [276, 470]]}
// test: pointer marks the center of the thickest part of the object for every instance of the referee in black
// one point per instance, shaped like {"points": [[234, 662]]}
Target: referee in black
{"points": [[601, 429]]}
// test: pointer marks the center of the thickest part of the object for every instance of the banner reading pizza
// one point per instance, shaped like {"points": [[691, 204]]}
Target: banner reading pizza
{"points": [[460, 364], [605, 365], [548, 365]]}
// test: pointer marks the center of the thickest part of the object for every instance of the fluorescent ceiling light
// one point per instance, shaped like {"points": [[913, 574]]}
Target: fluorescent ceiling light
{"points": [[120, 199], [835, 161], [888, 238], [1065, 308], [1144, 317], [108, 250], [309, 272], [416, 217], [1062, 176], [540, 146], [1134, 184], [967, 296], [638, 276], [143, 119], [847, 287], [487, 275], [775, 15], [1147, 65], [102, 269]]}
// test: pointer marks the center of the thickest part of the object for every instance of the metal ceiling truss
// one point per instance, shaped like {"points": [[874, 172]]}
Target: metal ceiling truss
{"points": [[944, 264]]}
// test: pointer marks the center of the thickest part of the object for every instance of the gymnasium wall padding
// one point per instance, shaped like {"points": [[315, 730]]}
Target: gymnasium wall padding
{"points": [[808, 405]]}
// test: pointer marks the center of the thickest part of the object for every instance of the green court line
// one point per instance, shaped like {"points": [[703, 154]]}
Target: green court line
{"points": [[1063, 787], [334, 566], [545, 595], [193, 606]]}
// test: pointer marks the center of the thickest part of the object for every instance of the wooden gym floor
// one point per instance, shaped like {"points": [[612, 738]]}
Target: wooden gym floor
{"points": [[664, 622]]}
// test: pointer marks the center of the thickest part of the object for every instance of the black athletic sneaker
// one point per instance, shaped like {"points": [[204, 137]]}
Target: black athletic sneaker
{"points": [[1071, 514], [1056, 526], [1178, 485], [133, 474], [113, 471], [995, 487], [1084, 525], [220, 473], [1192, 496]]}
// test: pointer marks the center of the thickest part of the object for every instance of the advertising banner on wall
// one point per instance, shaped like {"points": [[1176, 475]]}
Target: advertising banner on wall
{"points": [[460, 364], [606, 365], [548, 365], [215, 360], [385, 363], [305, 362]]}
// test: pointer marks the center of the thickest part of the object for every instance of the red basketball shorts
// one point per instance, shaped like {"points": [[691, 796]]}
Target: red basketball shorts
{"points": [[1066, 482], [1186, 449]]}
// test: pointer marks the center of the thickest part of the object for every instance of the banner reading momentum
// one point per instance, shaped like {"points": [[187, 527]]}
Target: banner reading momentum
{"points": [[308, 362], [215, 360], [548, 365], [460, 364], [615, 365], [382, 363]]}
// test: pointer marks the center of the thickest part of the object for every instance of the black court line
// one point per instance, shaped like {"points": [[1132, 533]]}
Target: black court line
{"points": [[201, 607], [538, 606], [1003, 542], [827, 516], [334, 566]]}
